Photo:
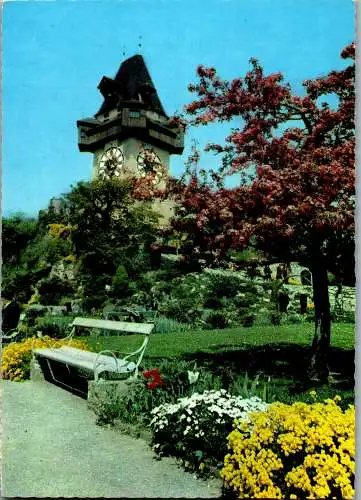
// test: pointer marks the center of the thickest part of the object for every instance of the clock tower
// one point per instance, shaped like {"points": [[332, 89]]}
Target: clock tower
{"points": [[130, 134]]}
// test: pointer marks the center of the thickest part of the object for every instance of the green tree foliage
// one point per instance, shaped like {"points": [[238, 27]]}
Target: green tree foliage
{"points": [[120, 282], [17, 231], [51, 290], [109, 228]]}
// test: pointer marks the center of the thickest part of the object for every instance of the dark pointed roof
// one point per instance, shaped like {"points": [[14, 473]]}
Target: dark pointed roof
{"points": [[132, 83]]}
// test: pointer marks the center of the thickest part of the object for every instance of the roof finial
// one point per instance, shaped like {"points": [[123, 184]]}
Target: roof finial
{"points": [[140, 43]]}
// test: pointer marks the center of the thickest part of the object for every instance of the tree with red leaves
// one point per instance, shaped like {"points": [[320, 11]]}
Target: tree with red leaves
{"points": [[296, 200]]}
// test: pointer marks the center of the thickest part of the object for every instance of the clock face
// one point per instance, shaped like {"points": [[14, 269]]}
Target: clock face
{"points": [[150, 163], [111, 163]]}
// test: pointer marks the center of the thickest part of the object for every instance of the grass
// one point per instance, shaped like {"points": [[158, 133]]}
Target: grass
{"points": [[177, 344], [281, 352]]}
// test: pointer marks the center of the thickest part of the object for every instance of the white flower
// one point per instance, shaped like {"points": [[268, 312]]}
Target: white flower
{"points": [[193, 377]]}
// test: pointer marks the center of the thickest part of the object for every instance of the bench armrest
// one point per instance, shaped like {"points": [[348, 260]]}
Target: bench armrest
{"points": [[9, 335], [96, 363]]}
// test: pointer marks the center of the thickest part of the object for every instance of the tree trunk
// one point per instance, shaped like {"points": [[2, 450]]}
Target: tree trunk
{"points": [[318, 369]]}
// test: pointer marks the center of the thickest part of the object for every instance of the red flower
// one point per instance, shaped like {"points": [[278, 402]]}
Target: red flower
{"points": [[155, 376]]}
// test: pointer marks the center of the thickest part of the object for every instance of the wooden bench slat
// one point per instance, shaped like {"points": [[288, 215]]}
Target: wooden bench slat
{"points": [[89, 355], [56, 355], [82, 359], [119, 326]]}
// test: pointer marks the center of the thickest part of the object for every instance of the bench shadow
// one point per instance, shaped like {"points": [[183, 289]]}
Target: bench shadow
{"points": [[64, 378], [288, 361]]}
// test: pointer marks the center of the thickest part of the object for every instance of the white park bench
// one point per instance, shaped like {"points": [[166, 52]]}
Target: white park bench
{"points": [[94, 364]]}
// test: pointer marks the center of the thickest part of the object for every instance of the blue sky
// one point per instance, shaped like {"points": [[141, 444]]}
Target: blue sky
{"points": [[56, 52]]}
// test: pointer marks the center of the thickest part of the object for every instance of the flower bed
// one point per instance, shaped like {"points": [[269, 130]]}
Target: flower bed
{"points": [[293, 451], [16, 357], [195, 428], [155, 387]]}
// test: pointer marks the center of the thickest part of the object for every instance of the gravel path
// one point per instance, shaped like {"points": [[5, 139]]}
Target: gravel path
{"points": [[51, 447]]}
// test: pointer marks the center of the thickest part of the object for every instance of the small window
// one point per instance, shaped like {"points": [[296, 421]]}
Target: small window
{"points": [[134, 114]]}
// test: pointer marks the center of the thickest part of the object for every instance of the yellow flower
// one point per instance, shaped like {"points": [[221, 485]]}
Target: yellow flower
{"points": [[16, 357], [294, 450]]}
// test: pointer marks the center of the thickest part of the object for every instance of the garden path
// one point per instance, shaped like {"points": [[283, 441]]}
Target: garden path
{"points": [[52, 448]]}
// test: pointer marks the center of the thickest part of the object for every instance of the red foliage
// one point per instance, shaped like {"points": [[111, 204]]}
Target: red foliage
{"points": [[303, 183], [296, 199]]}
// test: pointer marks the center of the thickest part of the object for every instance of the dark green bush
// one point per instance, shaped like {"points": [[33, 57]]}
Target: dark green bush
{"points": [[120, 282], [223, 286], [217, 320], [294, 318], [343, 317], [183, 311], [247, 319], [276, 318], [53, 326], [52, 290], [33, 314], [213, 303]]}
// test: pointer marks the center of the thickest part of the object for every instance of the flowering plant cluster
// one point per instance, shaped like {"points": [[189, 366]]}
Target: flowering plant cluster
{"points": [[157, 380], [59, 230], [293, 451], [195, 428], [16, 357]]}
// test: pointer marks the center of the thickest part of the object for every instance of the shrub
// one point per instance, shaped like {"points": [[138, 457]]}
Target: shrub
{"points": [[195, 428], [343, 316], [131, 406], [294, 319], [247, 319], [168, 325], [134, 405], [293, 451], [33, 314], [217, 320], [120, 281], [263, 318], [276, 318], [16, 357], [224, 285], [164, 384], [52, 326], [182, 310], [52, 290]]}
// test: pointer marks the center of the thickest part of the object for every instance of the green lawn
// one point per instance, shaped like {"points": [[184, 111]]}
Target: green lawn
{"points": [[279, 352], [213, 341]]}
